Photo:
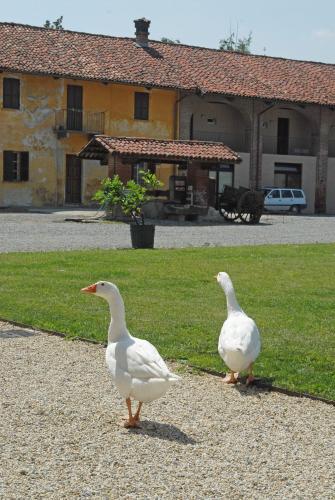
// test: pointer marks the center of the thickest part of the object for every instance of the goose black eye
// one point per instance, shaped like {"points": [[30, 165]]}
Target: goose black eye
{"points": [[102, 284]]}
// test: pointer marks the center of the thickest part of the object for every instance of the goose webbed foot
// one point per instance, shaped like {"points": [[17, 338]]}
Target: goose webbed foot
{"points": [[133, 421], [132, 424], [231, 378]]}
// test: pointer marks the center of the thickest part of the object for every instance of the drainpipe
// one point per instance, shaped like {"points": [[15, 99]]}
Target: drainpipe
{"points": [[258, 141]]}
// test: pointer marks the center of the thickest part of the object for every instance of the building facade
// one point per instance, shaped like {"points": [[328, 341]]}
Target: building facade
{"points": [[59, 88], [46, 122], [281, 144]]}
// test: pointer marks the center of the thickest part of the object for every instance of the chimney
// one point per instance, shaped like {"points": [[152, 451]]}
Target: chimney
{"points": [[142, 31]]}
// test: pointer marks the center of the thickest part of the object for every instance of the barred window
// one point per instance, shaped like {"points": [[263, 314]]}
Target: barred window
{"points": [[15, 166]]}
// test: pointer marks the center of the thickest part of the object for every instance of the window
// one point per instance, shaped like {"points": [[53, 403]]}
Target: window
{"points": [[297, 193], [286, 193], [141, 106], [275, 194], [15, 166], [11, 93], [287, 175]]}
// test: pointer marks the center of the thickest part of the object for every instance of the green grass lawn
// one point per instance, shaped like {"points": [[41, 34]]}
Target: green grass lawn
{"points": [[173, 300]]}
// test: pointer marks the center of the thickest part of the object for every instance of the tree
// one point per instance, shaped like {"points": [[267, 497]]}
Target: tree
{"points": [[55, 25], [169, 40], [234, 44]]}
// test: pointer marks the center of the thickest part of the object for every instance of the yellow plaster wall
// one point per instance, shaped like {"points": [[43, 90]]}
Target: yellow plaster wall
{"points": [[32, 129]]}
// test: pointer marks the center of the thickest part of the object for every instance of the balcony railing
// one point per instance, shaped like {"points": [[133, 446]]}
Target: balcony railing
{"points": [[90, 122], [299, 146], [238, 142]]}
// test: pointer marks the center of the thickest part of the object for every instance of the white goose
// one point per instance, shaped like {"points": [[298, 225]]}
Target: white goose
{"points": [[136, 367], [239, 341]]}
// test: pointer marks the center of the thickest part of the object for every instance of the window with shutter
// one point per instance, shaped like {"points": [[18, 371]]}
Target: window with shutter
{"points": [[141, 111], [15, 166], [11, 93]]}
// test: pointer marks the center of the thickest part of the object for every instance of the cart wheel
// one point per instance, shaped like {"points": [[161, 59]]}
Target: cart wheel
{"points": [[229, 215], [250, 207]]}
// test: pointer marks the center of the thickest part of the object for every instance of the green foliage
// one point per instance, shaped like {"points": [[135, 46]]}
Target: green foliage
{"points": [[170, 40], [234, 44], [134, 197], [173, 300], [55, 25], [130, 197], [111, 192]]}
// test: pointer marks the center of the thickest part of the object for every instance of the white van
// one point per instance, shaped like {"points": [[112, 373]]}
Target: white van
{"points": [[276, 199]]}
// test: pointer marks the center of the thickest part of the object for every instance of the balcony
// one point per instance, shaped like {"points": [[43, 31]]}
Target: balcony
{"points": [[299, 146], [89, 122], [238, 142]]}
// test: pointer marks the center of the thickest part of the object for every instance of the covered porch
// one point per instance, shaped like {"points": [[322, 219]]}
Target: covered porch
{"points": [[186, 169]]}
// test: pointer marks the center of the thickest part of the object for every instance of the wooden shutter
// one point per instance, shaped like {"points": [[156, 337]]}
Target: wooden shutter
{"points": [[9, 160], [74, 107], [141, 106], [11, 93], [24, 166]]}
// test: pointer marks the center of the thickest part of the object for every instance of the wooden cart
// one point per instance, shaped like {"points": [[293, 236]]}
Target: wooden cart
{"points": [[241, 203]]}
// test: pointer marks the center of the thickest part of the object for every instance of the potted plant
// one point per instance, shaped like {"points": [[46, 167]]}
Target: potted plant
{"points": [[130, 197]]}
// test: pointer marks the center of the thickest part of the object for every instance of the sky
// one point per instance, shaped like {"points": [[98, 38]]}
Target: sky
{"points": [[296, 29]]}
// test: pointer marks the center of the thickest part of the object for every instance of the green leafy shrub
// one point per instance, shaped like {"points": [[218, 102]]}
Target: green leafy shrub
{"points": [[130, 196]]}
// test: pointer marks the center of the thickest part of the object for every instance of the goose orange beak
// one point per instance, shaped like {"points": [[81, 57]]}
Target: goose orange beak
{"points": [[90, 289]]}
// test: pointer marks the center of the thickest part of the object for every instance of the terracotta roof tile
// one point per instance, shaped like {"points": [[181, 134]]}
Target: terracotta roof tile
{"points": [[161, 149], [86, 56]]}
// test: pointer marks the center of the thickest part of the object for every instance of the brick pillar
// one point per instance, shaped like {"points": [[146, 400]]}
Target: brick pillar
{"points": [[256, 145], [322, 161], [198, 178]]}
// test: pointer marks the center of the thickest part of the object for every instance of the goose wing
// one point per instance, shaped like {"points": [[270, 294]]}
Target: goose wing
{"points": [[139, 359]]}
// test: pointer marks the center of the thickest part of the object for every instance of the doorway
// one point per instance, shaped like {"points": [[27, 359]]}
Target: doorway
{"points": [[73, 179], [283, 136]]}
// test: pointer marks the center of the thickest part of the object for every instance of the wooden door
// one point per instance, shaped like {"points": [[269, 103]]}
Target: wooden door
{"points": [[73, 179]]}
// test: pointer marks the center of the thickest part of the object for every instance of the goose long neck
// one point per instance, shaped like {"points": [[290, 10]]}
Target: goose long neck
{"points": [[232, 304], [117, 326]]}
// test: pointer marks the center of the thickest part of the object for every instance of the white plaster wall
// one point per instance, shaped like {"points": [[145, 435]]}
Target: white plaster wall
{"points": [[308, 174]]}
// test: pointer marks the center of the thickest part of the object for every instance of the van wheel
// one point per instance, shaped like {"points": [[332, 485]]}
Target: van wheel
{"points": [[295, 209]]}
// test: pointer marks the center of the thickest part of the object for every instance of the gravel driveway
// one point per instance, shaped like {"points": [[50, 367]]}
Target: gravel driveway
{"points": [[23, 232], [61, 437]]}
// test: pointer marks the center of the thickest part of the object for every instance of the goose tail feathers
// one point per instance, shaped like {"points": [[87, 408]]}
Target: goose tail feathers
{"points": [[173, 378]]}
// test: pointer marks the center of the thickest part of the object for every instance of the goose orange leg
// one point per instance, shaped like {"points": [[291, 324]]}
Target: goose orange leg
{"points": [[231, 378], [137, 414], [251, 377], [131, 422]]}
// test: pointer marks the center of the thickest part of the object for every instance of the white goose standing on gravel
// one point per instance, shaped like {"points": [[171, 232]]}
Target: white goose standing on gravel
{"points": [[137, 369], [239, 341]]}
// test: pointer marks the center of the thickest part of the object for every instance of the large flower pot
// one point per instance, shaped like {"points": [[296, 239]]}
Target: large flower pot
{"points": [[142, 235]]}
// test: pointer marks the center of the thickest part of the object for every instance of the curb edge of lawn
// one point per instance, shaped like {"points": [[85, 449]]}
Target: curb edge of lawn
{"points": [[259, 383]]}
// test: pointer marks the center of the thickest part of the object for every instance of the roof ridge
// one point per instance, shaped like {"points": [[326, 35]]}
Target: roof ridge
{"points": [[240, 54]]}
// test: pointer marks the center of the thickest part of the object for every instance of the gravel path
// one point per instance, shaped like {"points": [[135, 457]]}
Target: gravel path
{"points": [[24, 232], [60, 433]]}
